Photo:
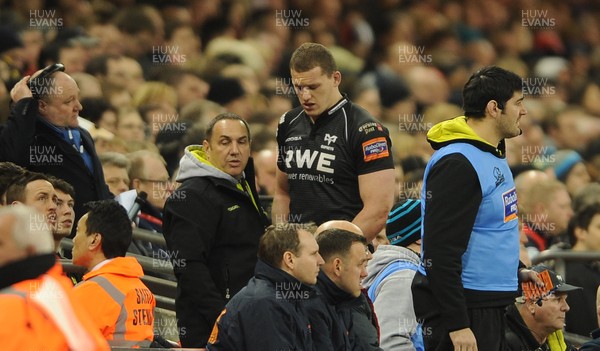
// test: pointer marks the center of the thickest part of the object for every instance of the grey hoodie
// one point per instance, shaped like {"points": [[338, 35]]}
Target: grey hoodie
{"points": [[194, 164], [393, 297]]}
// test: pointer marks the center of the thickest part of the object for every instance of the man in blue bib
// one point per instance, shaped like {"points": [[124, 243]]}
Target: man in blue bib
{"points": [[470, 265]]}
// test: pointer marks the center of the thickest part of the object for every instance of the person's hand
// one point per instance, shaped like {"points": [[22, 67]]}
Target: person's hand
{"points": [[463, 340], [20, 90], [527, 275]]}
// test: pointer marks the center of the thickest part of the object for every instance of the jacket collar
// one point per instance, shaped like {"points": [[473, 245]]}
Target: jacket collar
{"points": [[332, 293], [28, 268]]}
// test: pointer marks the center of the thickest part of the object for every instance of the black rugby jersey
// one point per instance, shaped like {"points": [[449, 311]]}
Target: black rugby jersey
{"points": [[324, 159]]}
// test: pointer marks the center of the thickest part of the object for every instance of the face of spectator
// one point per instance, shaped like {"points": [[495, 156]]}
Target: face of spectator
{"points": [[550, 317], [73, 58], [568, 135], [108, 121], [370, 101], [265, 165], [156, 184], [353, 268], [65, 215], [316, 91], [62, 105], [40, 195], [307, 263], [130, 127], [134, 76], [577, 178], [229, 147], [558, 212], [508, 120], [9, 250], [191, 88], [116, 178], [590, 236]]}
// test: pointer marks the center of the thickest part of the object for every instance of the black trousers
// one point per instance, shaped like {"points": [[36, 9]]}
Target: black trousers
{"points": [[488, 326]]}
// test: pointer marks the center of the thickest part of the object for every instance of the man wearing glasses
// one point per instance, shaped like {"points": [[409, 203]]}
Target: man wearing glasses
{"points": [[148, 173]]}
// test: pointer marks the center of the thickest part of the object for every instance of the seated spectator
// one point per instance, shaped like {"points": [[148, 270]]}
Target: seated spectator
{"points": [[121, 306], [363, 326], [390, 275], [37, 303], [345, 255], [571, 170], [268, 313], [149, 174], [584, 233], [535, 321], [546, 215], [130, 126], [116, 168]]}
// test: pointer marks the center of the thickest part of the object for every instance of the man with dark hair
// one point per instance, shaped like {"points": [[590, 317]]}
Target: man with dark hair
{"points": [[8, 173], [584, 234], [121, 306], [213, 223], [339, 282], [470, 238], [43, 135], [35, 190], [65, 215], [335, 159], [268, 314]]}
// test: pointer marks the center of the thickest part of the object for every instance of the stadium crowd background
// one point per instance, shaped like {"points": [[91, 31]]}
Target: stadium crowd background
{"points": [[405, 61], [153, 73]]}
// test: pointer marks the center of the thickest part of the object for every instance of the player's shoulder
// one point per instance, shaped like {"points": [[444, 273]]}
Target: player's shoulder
{"points": [[290, 115]]}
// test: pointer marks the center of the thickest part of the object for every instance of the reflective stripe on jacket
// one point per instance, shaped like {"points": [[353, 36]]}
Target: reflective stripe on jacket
{"points": [[120, 304]]}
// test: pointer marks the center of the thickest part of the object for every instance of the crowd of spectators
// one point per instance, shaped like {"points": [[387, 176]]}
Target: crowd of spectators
{"points": [[152, 74]]}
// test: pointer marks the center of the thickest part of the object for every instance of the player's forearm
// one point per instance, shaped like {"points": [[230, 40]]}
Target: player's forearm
{"points": [[371, 221], [280, 209]]}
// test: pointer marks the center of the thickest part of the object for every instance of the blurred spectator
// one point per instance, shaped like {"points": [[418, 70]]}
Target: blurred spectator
{"points": [[564, 128], [12, 56], [188, 85], [546, 215], [130, 125], [89, 86], [97, 111], [265, 162], [9, 172], [116, 168], [584, 236], [570, 169], [229, 93], [594, 345], [591, 156]]}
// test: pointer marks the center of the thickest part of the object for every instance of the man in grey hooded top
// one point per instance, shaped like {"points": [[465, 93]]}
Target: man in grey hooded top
{"points": [[212, 224], [389, 277]]}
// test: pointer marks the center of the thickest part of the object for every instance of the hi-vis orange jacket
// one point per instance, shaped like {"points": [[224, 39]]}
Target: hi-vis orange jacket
{"points": [[119, 303], [39, 311]]}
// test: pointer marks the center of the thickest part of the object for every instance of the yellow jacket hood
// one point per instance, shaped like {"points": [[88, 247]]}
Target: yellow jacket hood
{"points": [[457, 130]]}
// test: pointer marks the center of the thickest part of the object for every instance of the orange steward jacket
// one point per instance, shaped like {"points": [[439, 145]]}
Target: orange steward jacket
{"points": [[119, 303], [39, 310]]}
